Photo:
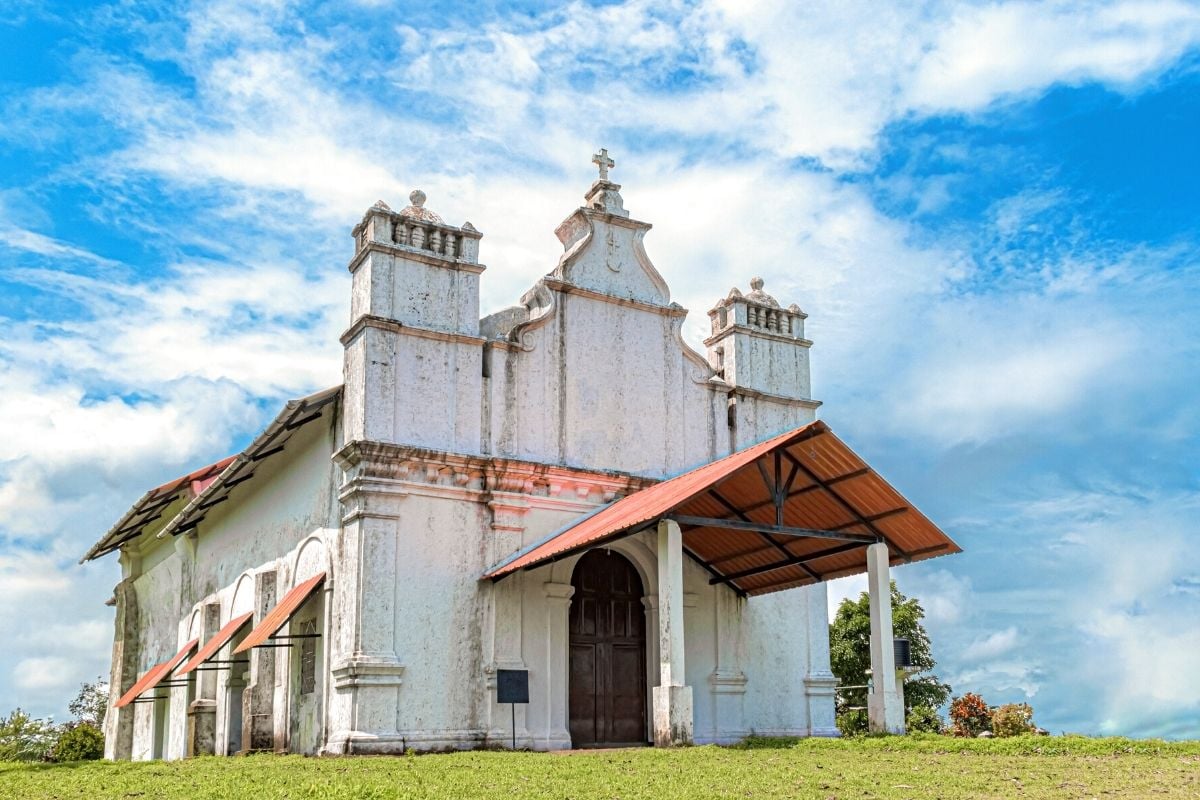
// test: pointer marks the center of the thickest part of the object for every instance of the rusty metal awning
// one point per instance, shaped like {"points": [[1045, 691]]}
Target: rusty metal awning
{"points": [[280, 614], [217, 642], [155, 675], [794, 510]]}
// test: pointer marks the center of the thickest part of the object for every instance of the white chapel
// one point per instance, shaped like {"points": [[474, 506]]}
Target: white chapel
{"points": [[561, 499]]}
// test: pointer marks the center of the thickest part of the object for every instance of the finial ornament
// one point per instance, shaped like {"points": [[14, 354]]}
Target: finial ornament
{"points": [[757, 295], [605, 163], [416, 208]]}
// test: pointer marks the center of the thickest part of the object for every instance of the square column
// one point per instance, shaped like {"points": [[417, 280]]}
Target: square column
{"points": [[202, 713], [258, 700], [885, 703], [673, 720]]}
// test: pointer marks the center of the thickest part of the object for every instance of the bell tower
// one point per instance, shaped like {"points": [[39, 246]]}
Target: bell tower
{"points": [[413, 353], [758, 346]]}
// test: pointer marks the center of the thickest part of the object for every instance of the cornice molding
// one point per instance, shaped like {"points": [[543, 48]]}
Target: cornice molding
{"points": [[411, 254], [395, 326]]}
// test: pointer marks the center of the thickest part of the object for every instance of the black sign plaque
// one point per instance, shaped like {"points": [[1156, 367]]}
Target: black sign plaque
{"points": [[512, 686]]}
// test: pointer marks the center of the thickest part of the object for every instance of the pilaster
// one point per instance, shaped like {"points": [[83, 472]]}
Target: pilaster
{"points": [[258, 699], [202, 712], [365, 668], [558, 609], [820, 685], [728, 681], [118, 722]]}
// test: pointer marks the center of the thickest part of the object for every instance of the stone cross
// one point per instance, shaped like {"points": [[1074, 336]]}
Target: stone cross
{"points": [[605, 163]]}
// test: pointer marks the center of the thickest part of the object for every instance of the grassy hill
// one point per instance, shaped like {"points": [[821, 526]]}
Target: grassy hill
{"points": [[893, 767]]}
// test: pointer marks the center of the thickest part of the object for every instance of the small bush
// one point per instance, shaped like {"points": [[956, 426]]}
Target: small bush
{"points": [[853, 722], [923, 719], [1013, 719], [970, 715], [26, 738], [82, 742]]}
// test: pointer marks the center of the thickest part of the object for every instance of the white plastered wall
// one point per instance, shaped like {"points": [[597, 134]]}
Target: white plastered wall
{"points": [[290, 500]]}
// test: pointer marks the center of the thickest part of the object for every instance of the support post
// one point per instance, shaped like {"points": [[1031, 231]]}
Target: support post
{"points": [[673, 722], [885, 704]]}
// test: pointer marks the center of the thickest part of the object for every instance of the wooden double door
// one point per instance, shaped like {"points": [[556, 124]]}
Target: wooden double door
{"points": [[607, 653]]}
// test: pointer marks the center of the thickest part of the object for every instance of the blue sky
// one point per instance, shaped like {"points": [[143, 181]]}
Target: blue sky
{"points": [[989, 212]]}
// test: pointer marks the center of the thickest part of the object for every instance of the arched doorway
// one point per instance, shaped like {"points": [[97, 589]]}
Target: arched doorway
{"points": [[607, 652]]}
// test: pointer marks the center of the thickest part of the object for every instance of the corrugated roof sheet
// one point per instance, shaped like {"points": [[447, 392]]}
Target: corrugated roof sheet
{"points": [[280, 614], [295, 415], [832, 489], [211, 485], [151, 505], [154, 676]]}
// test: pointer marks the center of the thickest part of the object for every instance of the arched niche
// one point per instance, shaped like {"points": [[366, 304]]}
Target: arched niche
{"points": [[312, 557], [193, 626], [243, 595]]}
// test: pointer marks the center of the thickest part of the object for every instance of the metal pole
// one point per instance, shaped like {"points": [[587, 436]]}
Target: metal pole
{"points": [[514, 720]]}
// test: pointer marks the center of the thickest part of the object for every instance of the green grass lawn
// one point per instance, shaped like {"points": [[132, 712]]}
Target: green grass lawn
{"points": [[908, 767]]}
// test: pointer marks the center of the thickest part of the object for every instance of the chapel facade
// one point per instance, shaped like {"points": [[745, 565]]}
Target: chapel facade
{"points": [[562, 491]]}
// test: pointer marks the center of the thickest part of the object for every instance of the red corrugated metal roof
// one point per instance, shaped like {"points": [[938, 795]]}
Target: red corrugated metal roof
{"points": [[235, 469], [155, 675], [832, 490], [217, 642], [152, 504], [281, 613], [202, 474]]}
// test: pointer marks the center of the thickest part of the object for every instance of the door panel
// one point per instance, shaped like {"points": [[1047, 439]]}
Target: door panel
{"points": [[607, 652]]}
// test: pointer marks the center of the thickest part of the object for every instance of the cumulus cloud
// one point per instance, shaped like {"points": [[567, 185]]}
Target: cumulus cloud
{"points": [[991, 646], [50, 672], [999, 50]]}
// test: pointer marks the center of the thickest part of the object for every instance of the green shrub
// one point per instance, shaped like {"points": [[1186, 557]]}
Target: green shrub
{"points": [[1013, 719], [82, 742], [923, 719], [852, 722]]}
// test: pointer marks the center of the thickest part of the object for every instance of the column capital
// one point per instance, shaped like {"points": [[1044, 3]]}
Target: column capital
{"points": [[558, 591]]}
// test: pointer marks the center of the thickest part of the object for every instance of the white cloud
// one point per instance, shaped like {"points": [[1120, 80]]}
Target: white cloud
{"points": [[47, 672], [991, 646], [27, 576], [996, 50], [946, 597], [32, 242]]}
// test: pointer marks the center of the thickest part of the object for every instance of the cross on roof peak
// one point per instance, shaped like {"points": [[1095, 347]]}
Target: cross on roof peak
{"points": [[605, 163]]}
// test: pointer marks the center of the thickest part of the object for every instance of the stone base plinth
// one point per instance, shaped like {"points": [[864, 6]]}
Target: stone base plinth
{"points": [[672, 716], [885, 712], [202, 728]]}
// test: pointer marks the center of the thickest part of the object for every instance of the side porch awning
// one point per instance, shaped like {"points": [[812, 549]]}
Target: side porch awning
{"points": [[155, 675], [793, 510], [217, 642], [280, 614]]}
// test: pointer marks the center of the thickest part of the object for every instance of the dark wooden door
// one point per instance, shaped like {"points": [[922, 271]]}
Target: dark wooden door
{"points": [[608, 653]]}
